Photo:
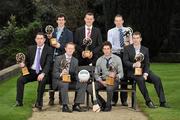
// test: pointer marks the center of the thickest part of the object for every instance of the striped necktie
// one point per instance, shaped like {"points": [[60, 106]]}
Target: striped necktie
{"points": [[121, 38]]}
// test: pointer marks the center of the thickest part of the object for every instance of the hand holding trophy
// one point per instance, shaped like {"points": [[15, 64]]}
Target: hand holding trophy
{"points": [[87, 53], [112, 75], [49, 30], [139, 58], [20, 58], [128, 34], [65, 71]]}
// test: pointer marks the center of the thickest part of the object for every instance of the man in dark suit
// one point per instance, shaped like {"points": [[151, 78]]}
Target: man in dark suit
{"points": [[38, 61], [72, 70], [63, 35], [88, 31], [147, 75]]}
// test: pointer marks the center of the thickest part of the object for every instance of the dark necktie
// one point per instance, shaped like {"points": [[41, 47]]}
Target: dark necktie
{"points": [[121, 38], [88, 32], [107, 62]]}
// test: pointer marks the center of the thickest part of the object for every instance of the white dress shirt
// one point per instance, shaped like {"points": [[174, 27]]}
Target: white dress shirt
{"points": [[86, 30]]}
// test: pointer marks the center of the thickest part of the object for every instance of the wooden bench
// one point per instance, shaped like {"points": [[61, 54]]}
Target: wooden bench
{"points": [[131, 87]]}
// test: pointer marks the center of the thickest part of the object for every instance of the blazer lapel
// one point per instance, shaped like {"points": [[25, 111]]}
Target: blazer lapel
{"points": [[83, 32], [34, 52]]}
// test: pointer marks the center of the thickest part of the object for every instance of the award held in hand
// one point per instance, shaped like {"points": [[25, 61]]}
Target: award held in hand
{"points": [[49, 30], [110, 79], [87, 42], [65, 77], [20, 58], [138, 58]]}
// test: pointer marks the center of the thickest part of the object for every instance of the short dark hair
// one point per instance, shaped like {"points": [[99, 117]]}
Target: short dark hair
{"points": [[41, 33], [107, 43], [137, 33], [60, 16], [118, 15], [90, 14], [70, 43]]}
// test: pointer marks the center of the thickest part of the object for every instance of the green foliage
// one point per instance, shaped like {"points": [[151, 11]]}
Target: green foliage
{"points": [[15, 39]]}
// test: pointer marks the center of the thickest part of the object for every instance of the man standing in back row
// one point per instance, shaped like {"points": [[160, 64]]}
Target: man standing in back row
{"points": [[118, 37], [88, 31]]}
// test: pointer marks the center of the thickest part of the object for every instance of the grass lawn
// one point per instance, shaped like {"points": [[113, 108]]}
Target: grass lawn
{"points": [[7, 100], [170, 75]]}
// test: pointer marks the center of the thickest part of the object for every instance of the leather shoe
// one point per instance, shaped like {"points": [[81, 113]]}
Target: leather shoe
{"points": [[77, 108], [124, 104], [37, 107], [150, 104], [113, 103], [66, 109], [18, 104], [51, 102], [163, 104], [107, 109]]}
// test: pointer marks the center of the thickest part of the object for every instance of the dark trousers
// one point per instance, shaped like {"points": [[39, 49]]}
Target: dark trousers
{"points": [[99, 86], [30, 78], [123, 95], [153, 79]]}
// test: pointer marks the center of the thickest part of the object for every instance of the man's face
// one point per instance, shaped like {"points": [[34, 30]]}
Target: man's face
{"points": [[106, 50], [70, 49], [136, 39], [61, 21], [40, 40], [89, 19], [118, 21]]}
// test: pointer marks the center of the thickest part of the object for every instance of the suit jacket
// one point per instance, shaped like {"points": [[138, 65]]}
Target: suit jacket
{"points": [[45, 60], [73, 70], [66, 36], [128, 59], [96, 37]]}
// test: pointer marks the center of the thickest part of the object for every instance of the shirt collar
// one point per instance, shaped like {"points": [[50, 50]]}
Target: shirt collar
{"points": [[67, 56], [60, 28], [107, 57], [88, 27], [41, 46]]}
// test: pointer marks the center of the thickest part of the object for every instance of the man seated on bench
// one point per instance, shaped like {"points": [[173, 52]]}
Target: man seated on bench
{"points": [[108, 72], [38, 61], [138, 70], [65, 67]]}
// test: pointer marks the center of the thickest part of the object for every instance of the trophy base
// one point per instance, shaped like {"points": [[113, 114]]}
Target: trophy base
{"points": [[138, 71], [87, 53], [53, 41], [66, 78], [25, 71], [110, 81]]}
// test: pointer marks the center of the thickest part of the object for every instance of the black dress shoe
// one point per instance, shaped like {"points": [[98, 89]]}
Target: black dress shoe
{"points": [[78, 108], [150, 104], [39, 107], [163, 104], [51, 102], [66, 109], [124, 104], [107, 109], [113, 103], [18, 104]]}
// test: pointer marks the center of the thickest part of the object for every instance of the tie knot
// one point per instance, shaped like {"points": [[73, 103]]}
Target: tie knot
{"points": [[120, 29], [88, 29]]}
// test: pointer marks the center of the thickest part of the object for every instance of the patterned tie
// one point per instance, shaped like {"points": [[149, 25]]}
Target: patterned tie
{"points": [[89, 32], [121, 38], [38, 61]]}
